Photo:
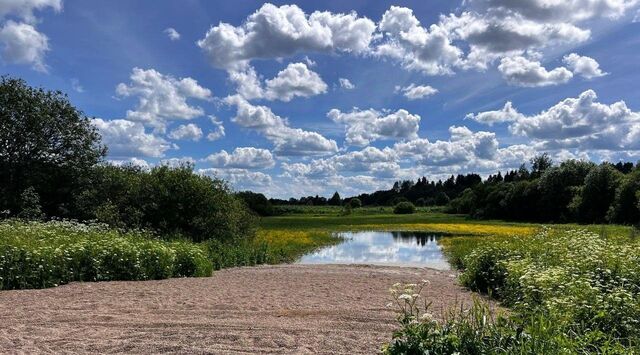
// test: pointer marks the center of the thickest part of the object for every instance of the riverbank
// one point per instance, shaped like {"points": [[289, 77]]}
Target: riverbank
{"points": [[267, 309]]}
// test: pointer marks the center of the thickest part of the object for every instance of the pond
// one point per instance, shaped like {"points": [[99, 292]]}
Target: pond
{"points": [[383, 248]]}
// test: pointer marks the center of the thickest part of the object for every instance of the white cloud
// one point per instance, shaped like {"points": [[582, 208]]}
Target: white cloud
{"points": [[242, 158], [24, 8], [218, 131], [346, 84], [239, 178], [581, 123], [186, 132], [141, 163], [277, 32], [464, 147], [365, 126], [172, 33], [22, 44], [287, 141], [507, 114], [162, 98], [295, 80], [585, 66], [428, 50], [129, 139], [415, 92], [521, 71]]}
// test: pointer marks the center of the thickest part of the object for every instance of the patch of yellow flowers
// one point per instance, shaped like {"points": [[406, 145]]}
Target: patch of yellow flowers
{"points": [[462, 228]]}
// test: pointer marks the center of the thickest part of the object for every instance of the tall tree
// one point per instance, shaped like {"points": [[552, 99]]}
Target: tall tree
{"points": [[335, 200], [46, 145]]}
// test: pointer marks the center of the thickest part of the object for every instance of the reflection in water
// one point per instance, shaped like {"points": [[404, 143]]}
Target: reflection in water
{"points": [[389, 248]]}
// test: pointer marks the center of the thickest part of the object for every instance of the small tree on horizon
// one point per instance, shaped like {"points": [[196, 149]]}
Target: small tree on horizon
{"points": [[335, 200]]}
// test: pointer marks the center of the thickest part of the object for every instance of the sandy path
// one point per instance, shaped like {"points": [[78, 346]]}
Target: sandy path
{"points": [[271, 309]]}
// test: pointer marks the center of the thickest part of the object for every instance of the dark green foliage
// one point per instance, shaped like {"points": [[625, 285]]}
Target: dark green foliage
{"points": [[46, 144], [442, 199], [355, 203], [404, 208], [167, 200], [625, 208], [599, 190], [30, 205], [335, 200], [257, 202]]}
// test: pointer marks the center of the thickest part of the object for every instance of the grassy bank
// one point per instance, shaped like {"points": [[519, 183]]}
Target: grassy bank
{"points": [[38, 255]]}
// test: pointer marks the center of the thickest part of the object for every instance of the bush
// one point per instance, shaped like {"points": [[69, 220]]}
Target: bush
{"points": [[38, 255], [355, 203], [404, 208], [257, 202], [170, 201]]}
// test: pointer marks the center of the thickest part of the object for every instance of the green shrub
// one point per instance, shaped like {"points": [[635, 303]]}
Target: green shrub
{"points": [[404, 208], [169, 201], [38, 255], [355, 203]]}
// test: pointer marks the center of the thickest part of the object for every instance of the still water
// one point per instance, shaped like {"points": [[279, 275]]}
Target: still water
{"points": [[383, 248]]}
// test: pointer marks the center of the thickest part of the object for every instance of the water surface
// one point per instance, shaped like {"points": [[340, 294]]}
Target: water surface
{"points": [[382, 248]]}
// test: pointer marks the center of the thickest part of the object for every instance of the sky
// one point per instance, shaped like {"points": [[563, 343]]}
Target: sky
{"points": [[307, 97]]}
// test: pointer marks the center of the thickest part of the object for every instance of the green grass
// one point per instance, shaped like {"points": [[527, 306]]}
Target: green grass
{"points": [[38, 255]]}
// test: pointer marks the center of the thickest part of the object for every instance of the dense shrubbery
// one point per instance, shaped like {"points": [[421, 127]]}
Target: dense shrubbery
{"points": [[167, 200], [37, 255], [257, 203], [569, 291], [404, 208]]}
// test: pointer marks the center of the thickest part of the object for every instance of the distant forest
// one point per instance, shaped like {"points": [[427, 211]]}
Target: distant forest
{"points": [[572, 191]]}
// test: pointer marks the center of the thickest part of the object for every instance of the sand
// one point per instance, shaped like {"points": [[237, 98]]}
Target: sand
{"points": [[285, 309]]}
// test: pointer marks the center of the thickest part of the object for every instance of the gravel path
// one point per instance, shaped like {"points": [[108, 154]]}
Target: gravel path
{"points": [[300, 309]]}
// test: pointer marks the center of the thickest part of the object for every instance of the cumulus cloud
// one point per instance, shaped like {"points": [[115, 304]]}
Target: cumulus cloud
{"points": [[287, 141], [186, 132], [464, 147], [277, 32], [22, 44], [415, 92], [521, 71], [218, 131], [20, 41], [242, 158], [346, 84], [584, 66], [295, 80], [428, 50], [162, 98], [581, 122], [128, 139], [365, 126], [141, 163], [172, 33], [239, 178], [507, 114]]}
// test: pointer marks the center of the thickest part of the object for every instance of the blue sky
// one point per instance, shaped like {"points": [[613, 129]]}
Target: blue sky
{"points": [[307, 97]]}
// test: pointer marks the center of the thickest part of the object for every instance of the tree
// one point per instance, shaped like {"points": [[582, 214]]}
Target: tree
{"points": [[335, 200], [597, 194], [257, 202], [45, 143], [540, 164], [30, 204], [626, 205], [355, 202]]}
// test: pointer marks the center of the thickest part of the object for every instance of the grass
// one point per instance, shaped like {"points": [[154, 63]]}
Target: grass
{"points": [[38, 255]]}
